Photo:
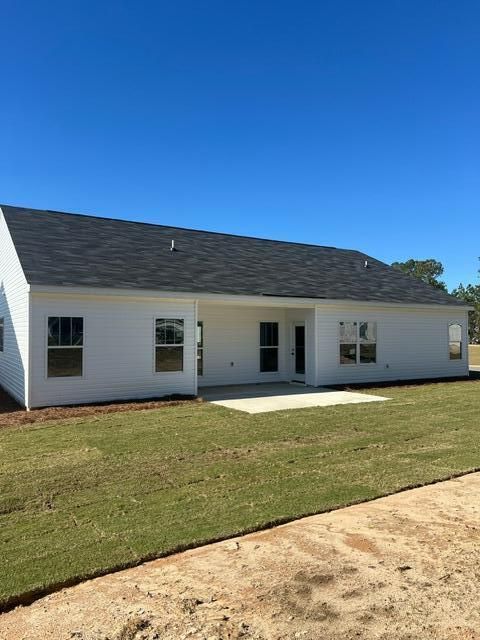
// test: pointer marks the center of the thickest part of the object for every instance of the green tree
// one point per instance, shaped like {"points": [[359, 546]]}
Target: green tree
{"points": [[428, 271]]}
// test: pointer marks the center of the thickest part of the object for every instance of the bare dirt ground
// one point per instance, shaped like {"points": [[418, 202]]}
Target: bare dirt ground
{"points": [[402, 567], [11, 413]]}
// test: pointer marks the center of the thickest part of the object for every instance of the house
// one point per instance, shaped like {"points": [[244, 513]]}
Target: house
{"points": [[94, 309]]}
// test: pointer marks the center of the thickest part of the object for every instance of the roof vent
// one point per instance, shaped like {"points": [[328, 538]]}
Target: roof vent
{"points": [[172, 248], [366, 264]]}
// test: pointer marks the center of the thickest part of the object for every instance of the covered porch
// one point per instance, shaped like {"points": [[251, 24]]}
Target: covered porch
{"points": [[244, 344]]}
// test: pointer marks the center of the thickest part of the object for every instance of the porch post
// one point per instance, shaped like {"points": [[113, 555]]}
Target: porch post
{"points": [[316, 321]]}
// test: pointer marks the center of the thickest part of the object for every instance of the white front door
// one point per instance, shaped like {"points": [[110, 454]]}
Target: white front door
{"points": [[298, 351]]}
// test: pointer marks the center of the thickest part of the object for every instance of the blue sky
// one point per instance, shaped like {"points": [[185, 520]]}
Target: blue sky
{"points": [[352, 124]]}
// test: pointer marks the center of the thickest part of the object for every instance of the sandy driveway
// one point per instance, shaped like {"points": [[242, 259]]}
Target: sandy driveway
{"points": [[406, 566]]}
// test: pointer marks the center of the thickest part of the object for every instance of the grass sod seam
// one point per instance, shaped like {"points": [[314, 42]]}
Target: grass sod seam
{"points": [[83, 498], [36, 594]]}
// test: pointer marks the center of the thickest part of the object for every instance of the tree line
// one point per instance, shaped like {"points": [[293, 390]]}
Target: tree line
{"points": [[431, 271]]}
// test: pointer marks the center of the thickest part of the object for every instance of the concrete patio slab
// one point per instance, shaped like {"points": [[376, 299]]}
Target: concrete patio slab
{"points": [[262, 398]]}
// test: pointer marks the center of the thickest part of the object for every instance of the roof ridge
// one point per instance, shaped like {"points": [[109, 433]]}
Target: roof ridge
{"points": [[166, 226]]}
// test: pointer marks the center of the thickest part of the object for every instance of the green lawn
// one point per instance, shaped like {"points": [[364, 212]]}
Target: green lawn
{"points": [[474, 354], [84, 496]]}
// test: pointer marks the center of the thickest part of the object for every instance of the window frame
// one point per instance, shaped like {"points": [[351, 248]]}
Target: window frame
{"points": [[48, 347], [260, 346], [358, 343], [200, 345], [454, 323], [155, 346]]}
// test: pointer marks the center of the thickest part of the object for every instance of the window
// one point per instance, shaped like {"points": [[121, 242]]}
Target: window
{"points": [[455, 341], [268, 346], [65, 347], [2, 330], [358, 342], [348, 343], [169, 341], [368, 342], [200, 348]]}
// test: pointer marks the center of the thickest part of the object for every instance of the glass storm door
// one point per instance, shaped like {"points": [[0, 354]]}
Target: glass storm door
{"points": [[299, 351]]}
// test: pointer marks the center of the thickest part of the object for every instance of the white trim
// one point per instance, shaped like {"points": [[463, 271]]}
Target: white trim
{"points": [[266, 346], [358, 344], [255, 300], [47, 347], [155, 345], [294, 376], [452, 323], [315, 352], [28, 372], [197, 349], [195, 345]]}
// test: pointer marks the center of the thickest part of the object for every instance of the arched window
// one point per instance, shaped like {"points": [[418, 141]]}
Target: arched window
{"points": [[455, 341]]}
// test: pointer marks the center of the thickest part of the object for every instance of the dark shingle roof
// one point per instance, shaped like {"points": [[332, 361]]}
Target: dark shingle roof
{"points": [[76, 250]]}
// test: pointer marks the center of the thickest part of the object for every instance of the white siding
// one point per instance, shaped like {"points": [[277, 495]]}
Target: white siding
{"points": [[14, 309], [232, 344], [118, 349], [410, 344], [119, 345]]}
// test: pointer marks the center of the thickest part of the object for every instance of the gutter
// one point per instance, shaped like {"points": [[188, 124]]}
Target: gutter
{"points": [[259, 299]]}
